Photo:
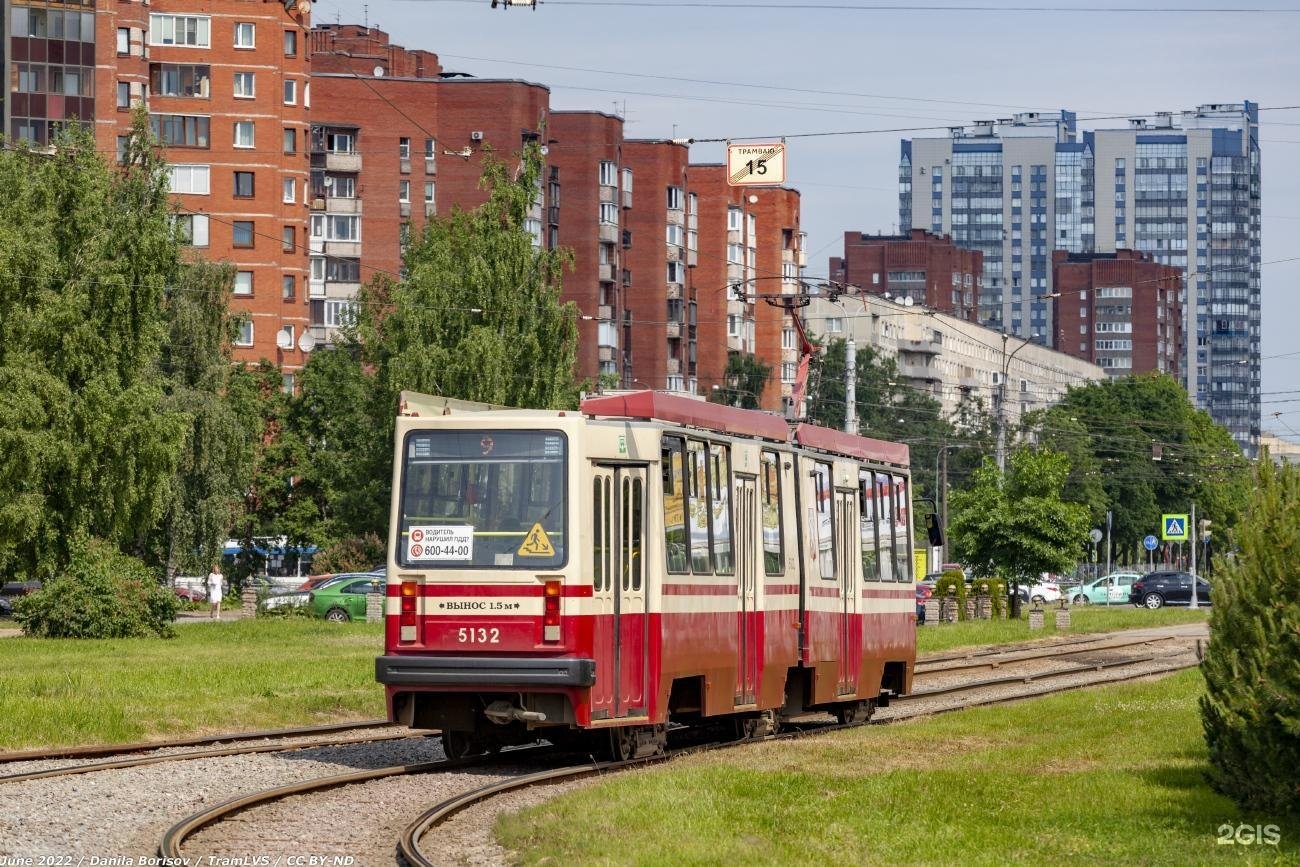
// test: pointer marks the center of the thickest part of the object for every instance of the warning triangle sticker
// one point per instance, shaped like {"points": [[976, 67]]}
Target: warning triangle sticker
{"points": [[536, 543]]}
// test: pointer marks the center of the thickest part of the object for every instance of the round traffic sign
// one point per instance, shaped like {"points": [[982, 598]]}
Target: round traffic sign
{"points": [[1150, 543], [1094, 535]]}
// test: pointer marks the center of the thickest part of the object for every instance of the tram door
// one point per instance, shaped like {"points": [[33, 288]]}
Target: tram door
{"points": [[619, 592], [747, 590], [847, 536]]}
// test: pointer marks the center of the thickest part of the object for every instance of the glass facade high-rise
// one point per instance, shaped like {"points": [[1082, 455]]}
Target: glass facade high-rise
{"points": [[1185, 189]]}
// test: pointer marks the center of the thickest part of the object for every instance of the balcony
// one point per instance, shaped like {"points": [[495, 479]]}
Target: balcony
{"points": [[404, 166], [787, 256], [928, 347], [605, 311], [674, 366], [605, 353], [343, 206], [608, 194], [733, 236], [350, 249], [674, 330], [342, 162], [608, 272], [915, 370], [675, 253], [608, 233], [674, 291], [735, 273], [676, 217], [404, 209], [430, 166], [627, 198]]}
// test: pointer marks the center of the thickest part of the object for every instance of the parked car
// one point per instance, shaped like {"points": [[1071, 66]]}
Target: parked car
{"points": [[316, 580], [191, 594], [6, 607], [1108, 590], [19, 588], [1168, 588], [341, 601], [283, 600], [1045, 591], [924, 590]]}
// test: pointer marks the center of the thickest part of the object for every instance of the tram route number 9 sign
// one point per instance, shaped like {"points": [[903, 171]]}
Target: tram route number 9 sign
{"points": [[450, 542], [756, 165]]}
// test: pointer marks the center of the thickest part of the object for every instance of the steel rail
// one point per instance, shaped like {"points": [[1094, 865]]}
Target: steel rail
{"points": [[1022, 678], [408, 843], [1028, 656], [100, 750], [140, 761]]}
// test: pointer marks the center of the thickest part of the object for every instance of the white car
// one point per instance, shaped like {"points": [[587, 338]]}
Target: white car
{"points": [[281, 600], [1045, 591]]}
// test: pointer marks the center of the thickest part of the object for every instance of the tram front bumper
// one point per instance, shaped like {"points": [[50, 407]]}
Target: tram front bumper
{"points": [[520, 671]]}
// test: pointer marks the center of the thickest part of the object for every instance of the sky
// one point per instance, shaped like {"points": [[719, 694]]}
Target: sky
{"points": [[724, 69]]}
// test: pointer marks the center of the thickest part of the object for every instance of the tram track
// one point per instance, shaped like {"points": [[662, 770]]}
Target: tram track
{"points": [[915, 705], [289, 740], [1011, 657]]}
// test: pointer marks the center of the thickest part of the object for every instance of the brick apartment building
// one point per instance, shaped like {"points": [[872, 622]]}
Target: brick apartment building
{"points": [[585, 162], [227, 91], [930, 269], [393, 142], [749, 246], [1118, 310]]}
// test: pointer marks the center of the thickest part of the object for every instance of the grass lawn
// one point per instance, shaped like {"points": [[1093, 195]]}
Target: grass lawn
{"points": [[1106, 776], [1083, 618], [211, 678]]}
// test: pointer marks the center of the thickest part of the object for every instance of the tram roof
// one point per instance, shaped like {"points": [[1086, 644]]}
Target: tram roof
{"points": [[676, 409], [852, 445]]}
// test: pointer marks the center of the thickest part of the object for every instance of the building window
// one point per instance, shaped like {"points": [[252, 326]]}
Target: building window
{"points": [[192, 30], [124, 40], [627, 182], [290, 91], [674, 198], [189, 179], [245, 34], [676, 272], [288, 287], [181, 130], [243, 133], [676, 235], [608, 173], [123, 95], [403, 191], [244, 85], [403, 148], [289, 190], [243, 187], [428, 192], [609, 213], [290, 43], [834, 325], [192, 229], [245, 337], [787, 371], [342, 228], [242, 233], [180, 79], [287, 239], [244, 283], [340, 143], [733, 219], [429, 149], [290, 141]]}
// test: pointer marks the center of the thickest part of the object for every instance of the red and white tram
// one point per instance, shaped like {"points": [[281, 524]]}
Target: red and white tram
{"points": [[649, 558]]}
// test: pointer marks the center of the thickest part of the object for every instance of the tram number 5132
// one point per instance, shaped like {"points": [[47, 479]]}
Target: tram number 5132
{"points": [[470, 635]]}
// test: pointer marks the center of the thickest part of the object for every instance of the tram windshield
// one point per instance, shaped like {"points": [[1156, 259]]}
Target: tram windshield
{"points": [[483, 499]]}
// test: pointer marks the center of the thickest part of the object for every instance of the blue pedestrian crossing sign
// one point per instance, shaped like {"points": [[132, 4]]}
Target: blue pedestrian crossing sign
{"points": [[1150, 543], [1173, 528]]}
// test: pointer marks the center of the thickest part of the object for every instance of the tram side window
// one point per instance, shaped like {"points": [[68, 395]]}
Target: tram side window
{"points": [[867, 528], [773, 553], [720, 510], [697, 470], [825, 523], [674, 480], [902, 530], [885, 526], [600, 578], [638, 561]]}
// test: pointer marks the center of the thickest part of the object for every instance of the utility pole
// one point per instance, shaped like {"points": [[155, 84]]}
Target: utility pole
{"points": [[1191, 529], [850, 386], [1002, 410], [1109, 550]]}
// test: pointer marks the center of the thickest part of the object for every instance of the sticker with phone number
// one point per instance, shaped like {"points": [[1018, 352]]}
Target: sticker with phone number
{"points": [[450, 542]]}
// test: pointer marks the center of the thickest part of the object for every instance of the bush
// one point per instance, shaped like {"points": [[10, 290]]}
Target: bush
{"points": [[358, 554], [955, 581], [1251, 707], [996, 588], [102, 594]]}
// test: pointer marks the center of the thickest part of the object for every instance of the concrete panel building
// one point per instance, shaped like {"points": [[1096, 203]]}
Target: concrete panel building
{"points": [[950, 358]]}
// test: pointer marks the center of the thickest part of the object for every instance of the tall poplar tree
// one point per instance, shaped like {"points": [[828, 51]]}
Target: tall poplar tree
{"points": [[88, 446]]}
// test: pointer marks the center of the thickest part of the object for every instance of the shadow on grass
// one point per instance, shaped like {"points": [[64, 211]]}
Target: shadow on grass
{"points": [[1192, 807]]}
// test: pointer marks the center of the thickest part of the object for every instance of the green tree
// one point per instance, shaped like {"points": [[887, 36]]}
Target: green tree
{"points": [[478, 315], [1016, 527], [88, 444], [742, 382], [1140, 440], [216, 457], [1251, 707]]}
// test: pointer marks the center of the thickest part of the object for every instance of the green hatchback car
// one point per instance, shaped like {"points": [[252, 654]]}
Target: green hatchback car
{"points": [[341, 601], [1113, 588]]}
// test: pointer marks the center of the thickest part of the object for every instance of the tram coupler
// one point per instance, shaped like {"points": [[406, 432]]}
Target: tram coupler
{"points": [[503, 713]]}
